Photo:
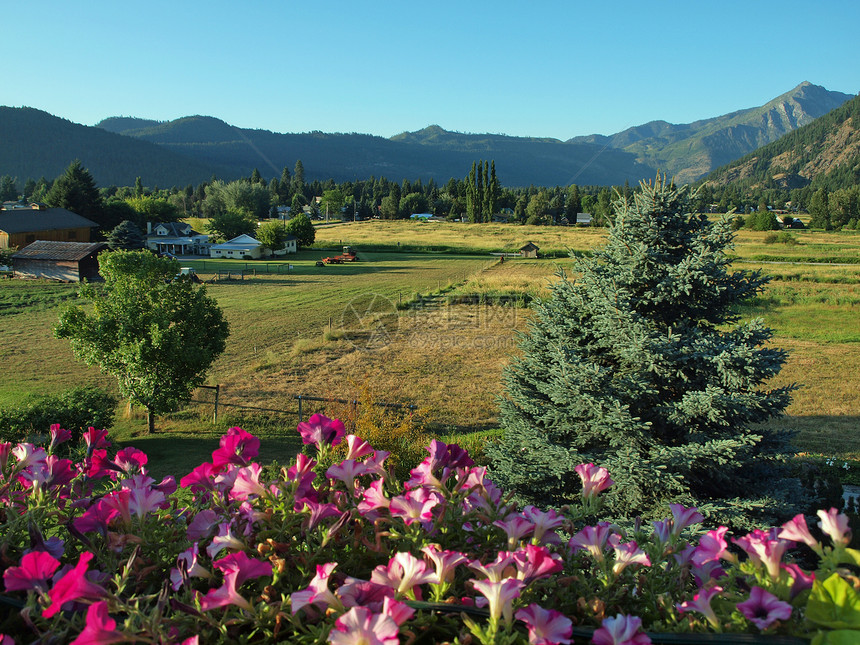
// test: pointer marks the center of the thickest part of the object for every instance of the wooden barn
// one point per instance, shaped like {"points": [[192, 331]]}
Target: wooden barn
{"points": [[529, 250], [21, 226], [65, 261]]}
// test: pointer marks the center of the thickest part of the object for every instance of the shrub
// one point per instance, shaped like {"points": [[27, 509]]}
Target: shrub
{"points": [[75, 410]]}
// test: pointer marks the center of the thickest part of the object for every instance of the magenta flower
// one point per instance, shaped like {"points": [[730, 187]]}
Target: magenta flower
{"points": [[246, 568], [100, 628], [682, 517], [188, 567], [835, 526], [247, 483], [74, 586], [317, 593], [800, 579], [226, 594], [95, 439], [364, 593], [496, 570], [595, 479], [144, 499], [200, 479], [444, 561], [98, 465], [544, 524], [375, 463], [405, 574], [797, 531], [202, 526], [763, 609], [96, 518], [397, 611], [58, 435], [443, 461], [546, 626], [5, 451], [701, 603], [320, 431], [318, 512], [225, 539], [415, 505], [515, 527], [356, 447], [236, 447], [131, 461], [764, 548], [712, 546], [359, 626], [627, 554], [373, 498], [593, 539], [27, 454], [535, 562], [346, 471], [500, 596], [621, 630], [36, 569]]}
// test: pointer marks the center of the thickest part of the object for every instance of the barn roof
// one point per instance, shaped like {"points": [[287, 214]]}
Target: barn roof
{"points": [[44, 250], [26, 220]]}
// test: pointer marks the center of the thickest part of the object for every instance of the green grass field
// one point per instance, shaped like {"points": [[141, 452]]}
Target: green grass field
{"points": [[329, 331]]}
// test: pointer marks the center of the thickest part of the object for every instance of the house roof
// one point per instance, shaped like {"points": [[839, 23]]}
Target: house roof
{"points": [[25, 220], [239, 243], [177, 229], [531, 246], [43, 250]]}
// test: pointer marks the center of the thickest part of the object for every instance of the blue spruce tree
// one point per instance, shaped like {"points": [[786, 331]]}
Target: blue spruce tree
{"points": [[639, 363]]}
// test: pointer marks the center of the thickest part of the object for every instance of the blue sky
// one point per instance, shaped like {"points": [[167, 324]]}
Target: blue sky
{"points": [[549, 69]]}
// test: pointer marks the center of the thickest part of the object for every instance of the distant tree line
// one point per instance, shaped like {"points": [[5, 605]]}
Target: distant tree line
{"points": [[236, 207]]}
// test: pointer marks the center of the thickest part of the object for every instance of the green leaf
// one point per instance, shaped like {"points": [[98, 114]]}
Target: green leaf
{"points": [[835, 604], [854, 554], [837, 637]]}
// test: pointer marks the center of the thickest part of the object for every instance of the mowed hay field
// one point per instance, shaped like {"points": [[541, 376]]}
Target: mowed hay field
{"points": [[336, 330]]}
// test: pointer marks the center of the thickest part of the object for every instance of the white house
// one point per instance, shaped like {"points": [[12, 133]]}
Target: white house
{"points": [[239, 248], [177, 238], [290, 246]]}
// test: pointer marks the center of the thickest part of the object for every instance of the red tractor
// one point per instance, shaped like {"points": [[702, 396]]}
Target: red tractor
{"points": [[348, 255]]}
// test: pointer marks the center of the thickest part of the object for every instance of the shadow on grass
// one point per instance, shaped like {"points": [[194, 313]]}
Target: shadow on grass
{"points": [[829, 435], [178, 456]]}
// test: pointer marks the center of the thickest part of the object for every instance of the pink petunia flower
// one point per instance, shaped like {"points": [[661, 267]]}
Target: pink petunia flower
{"points": [[797, 530], [800, 579], [764, 549], [364, 593], [359, 626], [398, 611], [236, 447], [58, 435], [34, 572], [682, 517], [516, 527], [346, 471], [226, 594], [627, 554], [621, 630], [546, 626], [318, 512], [712, 546], [247, 483], [95, 439], [356, 447], [131, 461], [444, 561], [595, 479], [496, 570], [317, 593], [500, 596], [701, 603], [545, 523], [100, 628], [27, 454], [5, 451], [320, 431], [592, 539], [74, 585], [246, 568], [835, 526], [415, 505], [405, 574], [763, 609], [535, 562], [200, 479], [188, 567], [372, 499], [225, 539]]}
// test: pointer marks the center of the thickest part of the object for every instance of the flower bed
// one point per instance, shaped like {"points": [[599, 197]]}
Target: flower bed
{"points": [[94, 551]]}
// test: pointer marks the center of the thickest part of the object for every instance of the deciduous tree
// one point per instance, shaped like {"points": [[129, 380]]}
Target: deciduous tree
{"points": [[303, 229], [156, 332]]}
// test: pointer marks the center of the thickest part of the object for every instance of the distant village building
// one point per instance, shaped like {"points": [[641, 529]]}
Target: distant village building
{"points": [[177, 238], [65, 261], [583, 218], [241, 247], [22, 225], [529, 250]]}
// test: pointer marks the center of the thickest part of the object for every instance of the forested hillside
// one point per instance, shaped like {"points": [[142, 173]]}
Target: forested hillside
{"points": [[825, 153], [36, 144]]}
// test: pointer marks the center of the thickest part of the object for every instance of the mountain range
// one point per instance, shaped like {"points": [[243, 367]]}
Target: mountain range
{"points": [[193, 149]]}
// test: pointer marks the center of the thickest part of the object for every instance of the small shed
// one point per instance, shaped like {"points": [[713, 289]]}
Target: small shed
{"points": [[241, 247], [65, 261], [529, 250]]}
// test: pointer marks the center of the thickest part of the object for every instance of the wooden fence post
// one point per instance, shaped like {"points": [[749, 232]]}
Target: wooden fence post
{"points": [[215, 413], [299, 397]]}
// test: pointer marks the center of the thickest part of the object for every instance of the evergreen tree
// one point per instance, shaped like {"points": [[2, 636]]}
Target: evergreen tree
{"points": [[126, 236], [642, 366], [76, 191], [8, 189], [297, 183]]}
